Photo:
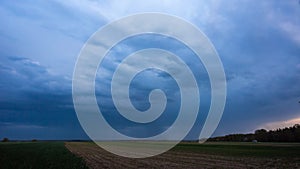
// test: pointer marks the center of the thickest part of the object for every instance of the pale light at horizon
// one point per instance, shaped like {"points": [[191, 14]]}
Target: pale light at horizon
{"points": [[281, 124]]}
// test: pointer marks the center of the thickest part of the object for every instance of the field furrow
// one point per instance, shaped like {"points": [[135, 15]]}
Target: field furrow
{"points": [[96, 157]]}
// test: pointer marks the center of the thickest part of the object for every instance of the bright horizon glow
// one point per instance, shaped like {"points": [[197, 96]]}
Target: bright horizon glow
{"points": [[281, 124]]}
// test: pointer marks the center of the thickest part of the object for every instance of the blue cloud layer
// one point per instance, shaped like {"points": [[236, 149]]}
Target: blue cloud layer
{"points": [[40, 41], [34, 103]]}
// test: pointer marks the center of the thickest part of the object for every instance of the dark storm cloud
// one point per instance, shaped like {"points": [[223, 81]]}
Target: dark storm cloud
{"points": [[259, 50], [35, 101]]}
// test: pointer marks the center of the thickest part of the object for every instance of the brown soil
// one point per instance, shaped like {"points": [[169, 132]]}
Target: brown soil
{"points": [[96, 157]]}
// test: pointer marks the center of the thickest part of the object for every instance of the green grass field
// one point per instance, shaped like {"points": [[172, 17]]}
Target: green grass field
{"points": [[244, 149], [38, 155]]}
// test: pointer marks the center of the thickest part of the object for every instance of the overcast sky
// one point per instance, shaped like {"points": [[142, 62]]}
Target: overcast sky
{"points": [[257, 41]]}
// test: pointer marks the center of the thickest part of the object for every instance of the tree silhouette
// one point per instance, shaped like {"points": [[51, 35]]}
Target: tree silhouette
{"points": [[288, 134], [5, 139]]}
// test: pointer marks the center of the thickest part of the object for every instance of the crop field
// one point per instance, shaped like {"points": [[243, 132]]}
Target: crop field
{"points": [[38, 155], [184, 155]]}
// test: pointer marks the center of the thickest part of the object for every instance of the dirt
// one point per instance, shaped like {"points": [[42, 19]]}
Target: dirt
{"points": [[96, 157]]}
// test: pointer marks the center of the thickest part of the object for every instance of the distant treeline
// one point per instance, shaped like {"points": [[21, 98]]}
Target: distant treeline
{"points": [[288, 134]]}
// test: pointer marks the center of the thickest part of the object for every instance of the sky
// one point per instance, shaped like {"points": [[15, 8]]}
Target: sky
{"points": [[257, 41]]}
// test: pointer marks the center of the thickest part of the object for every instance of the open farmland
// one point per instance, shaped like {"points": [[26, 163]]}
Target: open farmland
{"points": [[184, 155], [38, 155], [193, 155]]}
